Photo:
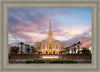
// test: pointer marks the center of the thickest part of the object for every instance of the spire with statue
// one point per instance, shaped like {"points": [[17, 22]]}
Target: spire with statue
{"points": [[50, 33]]}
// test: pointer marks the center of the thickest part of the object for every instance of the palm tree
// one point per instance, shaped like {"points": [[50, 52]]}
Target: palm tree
{"points": [[86, 51], [34, 50], [60, 52], [64, 51], [74, 50], [78, 45], [39, 52], [21, 43], [25, 48], [28, 49], [67, 49], [14, 50]]}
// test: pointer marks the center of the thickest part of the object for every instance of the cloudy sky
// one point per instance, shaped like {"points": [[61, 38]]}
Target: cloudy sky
{"points": [[32, 24]]}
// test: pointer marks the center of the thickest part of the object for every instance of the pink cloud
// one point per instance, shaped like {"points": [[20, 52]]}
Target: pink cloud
{"points": [[86, 42], [33, 27]]}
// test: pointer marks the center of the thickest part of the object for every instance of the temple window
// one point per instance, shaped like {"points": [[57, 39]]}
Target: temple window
{"points": [[50, 45]]}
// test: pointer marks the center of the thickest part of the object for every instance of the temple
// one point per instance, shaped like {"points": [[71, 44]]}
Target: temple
{"points": [[50, 45]]}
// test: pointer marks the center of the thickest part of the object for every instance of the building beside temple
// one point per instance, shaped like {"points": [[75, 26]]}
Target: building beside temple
{"points": [[50, 45]]}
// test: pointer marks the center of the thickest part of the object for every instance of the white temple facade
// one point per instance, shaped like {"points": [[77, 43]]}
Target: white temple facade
{"points": [[50, 45]]}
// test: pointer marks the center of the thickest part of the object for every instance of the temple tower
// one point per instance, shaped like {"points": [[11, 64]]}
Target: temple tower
{"points": [[50, 33]]}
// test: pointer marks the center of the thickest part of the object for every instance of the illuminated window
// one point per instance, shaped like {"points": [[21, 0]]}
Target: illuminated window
{"points": [[50, 45], [38, 45]]}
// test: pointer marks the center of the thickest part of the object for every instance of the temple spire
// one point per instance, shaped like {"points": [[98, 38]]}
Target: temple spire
{"points": [[50, 28], [50, 33]]}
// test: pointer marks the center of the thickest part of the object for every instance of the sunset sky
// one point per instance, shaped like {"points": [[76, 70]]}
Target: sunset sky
{"points": [[32, 24]]}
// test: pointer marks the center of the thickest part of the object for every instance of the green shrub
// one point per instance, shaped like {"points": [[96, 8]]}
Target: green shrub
{"points": [[48, 60], [38, 61], [51, 61], [70, 61], [28, 61], [56, 61]]}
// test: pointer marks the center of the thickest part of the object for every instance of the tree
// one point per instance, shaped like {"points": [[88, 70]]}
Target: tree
{"points": [[28, 49], [39, 52], [74, 50], [21, 43], [78, 45], [25, 48], [79, 52], [14, 50], [67, 49], [60, 52], [63, 51], [33, 49], [86, 51]]}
